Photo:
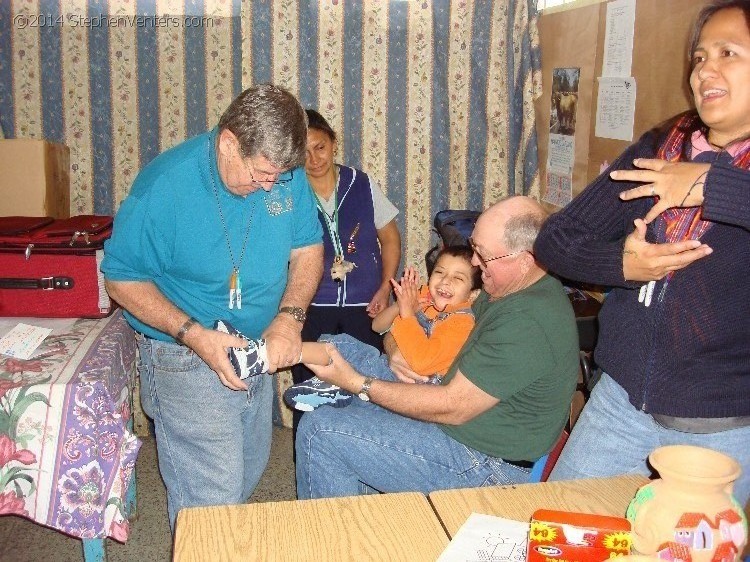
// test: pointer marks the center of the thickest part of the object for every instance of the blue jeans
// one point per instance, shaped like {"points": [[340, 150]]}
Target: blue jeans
{"points": [[347, 451], [366, 359], [612, 437], [213, 443]]}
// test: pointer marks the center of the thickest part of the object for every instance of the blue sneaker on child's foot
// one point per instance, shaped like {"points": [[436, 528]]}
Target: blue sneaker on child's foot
{"points": [[308, 395], [247, 361]]}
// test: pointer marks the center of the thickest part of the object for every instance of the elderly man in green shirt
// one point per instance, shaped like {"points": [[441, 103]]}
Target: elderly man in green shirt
{"points": [[502, 405]]}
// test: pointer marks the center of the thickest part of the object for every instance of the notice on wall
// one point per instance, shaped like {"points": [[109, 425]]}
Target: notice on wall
{"points": [[615, 108], [618, 39], [560, 170]]}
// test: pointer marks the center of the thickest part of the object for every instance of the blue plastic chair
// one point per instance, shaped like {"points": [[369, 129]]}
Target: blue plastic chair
{"points": [[538, 469]]}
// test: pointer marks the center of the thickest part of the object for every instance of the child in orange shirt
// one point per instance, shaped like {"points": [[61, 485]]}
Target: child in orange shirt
{"points": [[429, 326]]}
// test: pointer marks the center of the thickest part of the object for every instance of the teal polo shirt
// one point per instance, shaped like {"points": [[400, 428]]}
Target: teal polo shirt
{"points": [[170, 231]]}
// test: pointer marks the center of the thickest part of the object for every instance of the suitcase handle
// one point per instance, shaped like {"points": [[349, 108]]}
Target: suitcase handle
{"points": [[44, 283]]}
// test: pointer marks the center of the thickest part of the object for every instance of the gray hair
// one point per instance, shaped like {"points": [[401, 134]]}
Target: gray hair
{"points": [[521, 231], [268, 121]]}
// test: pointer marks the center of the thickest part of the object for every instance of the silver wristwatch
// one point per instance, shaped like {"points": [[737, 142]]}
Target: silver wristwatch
{"points": [[297, 313], [364, 392]]}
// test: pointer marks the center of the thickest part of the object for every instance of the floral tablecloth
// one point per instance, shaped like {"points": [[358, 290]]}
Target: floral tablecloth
{"points": [[66, 452]]}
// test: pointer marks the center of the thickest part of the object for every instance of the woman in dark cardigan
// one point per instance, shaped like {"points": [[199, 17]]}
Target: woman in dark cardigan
{"points": [[668, 228]]}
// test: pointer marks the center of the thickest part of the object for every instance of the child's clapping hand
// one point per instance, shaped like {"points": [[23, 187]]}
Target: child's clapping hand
{"points": [[407, 293]]}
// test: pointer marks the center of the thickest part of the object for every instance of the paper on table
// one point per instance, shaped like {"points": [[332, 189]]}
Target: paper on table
{"points": [[57, 325], [488, 538], [22, 341]]}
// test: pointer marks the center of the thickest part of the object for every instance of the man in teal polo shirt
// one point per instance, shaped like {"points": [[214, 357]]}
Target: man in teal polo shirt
{"points": [[220, 227]]}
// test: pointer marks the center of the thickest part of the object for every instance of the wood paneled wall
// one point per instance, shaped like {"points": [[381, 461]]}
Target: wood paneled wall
{"points": [[575, 38]]}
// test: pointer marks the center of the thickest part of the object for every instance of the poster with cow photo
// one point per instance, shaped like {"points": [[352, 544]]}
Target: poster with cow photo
{"points": [[562, 128], [564, 100]]}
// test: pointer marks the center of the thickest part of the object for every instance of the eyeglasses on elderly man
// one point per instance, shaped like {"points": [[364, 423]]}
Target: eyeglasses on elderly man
{"points": [[484, 261]]}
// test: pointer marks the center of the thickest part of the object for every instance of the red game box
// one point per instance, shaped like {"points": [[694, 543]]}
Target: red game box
{"points": [[562, 536]]}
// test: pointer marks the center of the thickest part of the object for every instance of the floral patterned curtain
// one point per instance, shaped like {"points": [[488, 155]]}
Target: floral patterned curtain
{"points": [[434, 99]]}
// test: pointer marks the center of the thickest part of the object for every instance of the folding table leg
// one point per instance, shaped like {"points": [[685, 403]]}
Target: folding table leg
{"points": [[131, 504], [131, 495], [94, 550]]}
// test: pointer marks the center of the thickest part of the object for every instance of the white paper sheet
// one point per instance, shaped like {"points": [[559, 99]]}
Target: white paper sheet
{"points": [[488, 538], [57, 325], [618, 39], [560, 159], [22, 340], [615, 108]]}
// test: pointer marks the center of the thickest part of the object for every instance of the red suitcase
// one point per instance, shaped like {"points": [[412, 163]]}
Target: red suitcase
{"points": [[50, 268]]}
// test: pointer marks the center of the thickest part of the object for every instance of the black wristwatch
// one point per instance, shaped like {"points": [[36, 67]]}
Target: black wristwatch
{"points": [[297, 313]]}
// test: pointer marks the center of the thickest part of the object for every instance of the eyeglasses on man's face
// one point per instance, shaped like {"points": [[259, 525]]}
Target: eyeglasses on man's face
{"points": [[271, 179], [265, 178], [484, 261]]}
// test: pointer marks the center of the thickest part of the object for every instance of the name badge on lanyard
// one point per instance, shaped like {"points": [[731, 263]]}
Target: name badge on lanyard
{"points": [[340, 266]]}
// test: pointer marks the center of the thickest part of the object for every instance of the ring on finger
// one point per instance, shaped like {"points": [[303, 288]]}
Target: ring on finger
{"points": [[653, 191]]}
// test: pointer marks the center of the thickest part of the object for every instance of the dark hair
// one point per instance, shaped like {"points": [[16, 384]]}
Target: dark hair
{"points": [[316, 121], [708, 12], [467, 254], [696, 123], [268, 121]]}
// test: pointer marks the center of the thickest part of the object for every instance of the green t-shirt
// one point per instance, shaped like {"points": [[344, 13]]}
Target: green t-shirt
{"points": [[523, 350]]}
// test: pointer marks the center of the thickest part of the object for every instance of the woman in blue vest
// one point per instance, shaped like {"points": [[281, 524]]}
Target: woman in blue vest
{"points": [[362, 246]]}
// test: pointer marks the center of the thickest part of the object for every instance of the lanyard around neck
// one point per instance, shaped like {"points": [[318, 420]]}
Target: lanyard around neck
{"points": [[332, 221]]}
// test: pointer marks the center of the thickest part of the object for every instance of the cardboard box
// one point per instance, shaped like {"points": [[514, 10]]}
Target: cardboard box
{"points": [[35, 178], [557, 536]]}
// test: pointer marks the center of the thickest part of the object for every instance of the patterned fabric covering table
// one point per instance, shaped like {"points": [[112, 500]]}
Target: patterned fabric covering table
{"points": [[67, 452]]}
